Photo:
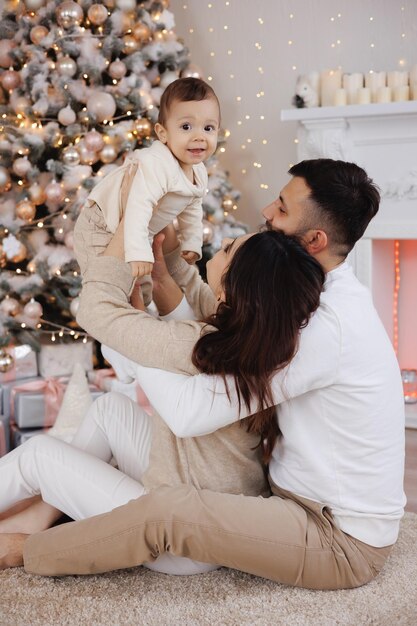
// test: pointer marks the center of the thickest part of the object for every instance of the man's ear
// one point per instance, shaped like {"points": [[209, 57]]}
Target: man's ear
{"points": [[315, 241], [161, 133]]}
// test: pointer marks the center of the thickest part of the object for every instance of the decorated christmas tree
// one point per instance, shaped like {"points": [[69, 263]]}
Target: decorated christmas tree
{"points": [[80, 87]]}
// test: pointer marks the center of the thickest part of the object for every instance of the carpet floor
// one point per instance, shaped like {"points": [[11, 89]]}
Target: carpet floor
{"points": [[139, 597]]}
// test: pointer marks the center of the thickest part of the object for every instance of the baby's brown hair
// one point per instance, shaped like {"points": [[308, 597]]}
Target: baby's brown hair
{"points": [[184, 90]]}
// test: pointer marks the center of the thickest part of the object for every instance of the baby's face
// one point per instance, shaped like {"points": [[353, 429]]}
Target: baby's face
{"points": [[191, 130]]}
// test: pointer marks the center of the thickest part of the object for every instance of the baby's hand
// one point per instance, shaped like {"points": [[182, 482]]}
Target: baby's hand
{"points": [[190, 257], [140, 268]]}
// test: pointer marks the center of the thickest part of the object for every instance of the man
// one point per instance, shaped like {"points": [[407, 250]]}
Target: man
{"points": [[336, 474]]}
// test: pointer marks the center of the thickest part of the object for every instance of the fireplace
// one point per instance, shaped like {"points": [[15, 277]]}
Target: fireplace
{"points": [[382, 138]]}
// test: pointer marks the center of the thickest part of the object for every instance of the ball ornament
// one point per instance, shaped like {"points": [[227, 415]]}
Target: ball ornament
{"points": [[67, 116], [6, 361], [38, 33], [143, 127], [25, 210], [93, 141], [10, 80], [97, 14], [117, 69], [10, 306], [5, 182], [101, 106], [69, 14], [54, 192], [21, 166], [66, 66], [141, 32], [71, 156], [108, 154], [33, 310]]}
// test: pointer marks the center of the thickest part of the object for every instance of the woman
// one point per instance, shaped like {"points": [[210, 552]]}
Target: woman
{"points": [[262, 290]]}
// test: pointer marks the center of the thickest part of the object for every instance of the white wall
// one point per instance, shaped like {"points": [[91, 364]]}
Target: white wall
{"points": [[231, 39]]}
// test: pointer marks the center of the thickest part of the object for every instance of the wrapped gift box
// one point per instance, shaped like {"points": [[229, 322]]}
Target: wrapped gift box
{"points": [[24, 363], [6, 392], [29, 407], [19, 436], [59, 359], [4, 435]]}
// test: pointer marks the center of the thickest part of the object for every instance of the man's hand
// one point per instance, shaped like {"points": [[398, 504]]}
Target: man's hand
{"points": [[140, 268], [190, 257]]}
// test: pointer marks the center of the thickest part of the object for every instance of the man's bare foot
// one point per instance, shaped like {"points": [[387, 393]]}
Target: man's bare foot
{"points": [[11, 550]]}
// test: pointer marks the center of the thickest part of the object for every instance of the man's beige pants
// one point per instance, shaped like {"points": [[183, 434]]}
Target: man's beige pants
{"points": [[285, 538]]}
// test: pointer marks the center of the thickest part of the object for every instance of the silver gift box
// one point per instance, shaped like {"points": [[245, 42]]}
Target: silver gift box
{"points": [[29, 407]]}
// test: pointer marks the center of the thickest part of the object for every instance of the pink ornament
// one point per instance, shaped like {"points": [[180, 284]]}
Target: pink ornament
{"points": [[54, 193], [6, 45], [33, 309], [19, 104], [93, 141], [69, 14], [66, 116], [88, 157], [101, 106], [10, 80], [117, 69], [22, 166]]}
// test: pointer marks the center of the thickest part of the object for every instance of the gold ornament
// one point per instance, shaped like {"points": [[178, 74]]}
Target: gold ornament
{"points": [[70, 155], [141, 32], [37, 194], [130, 44], [97, 14], [69, 14], [228, 203], [6, 361], [38, 33], [143, 127], [25, 210], [108, 154]]}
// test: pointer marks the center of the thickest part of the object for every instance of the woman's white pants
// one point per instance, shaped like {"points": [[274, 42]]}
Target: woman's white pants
{"points": [[77, 478]]}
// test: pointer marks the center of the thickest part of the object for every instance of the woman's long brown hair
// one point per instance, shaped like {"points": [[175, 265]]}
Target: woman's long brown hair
{"points": [[271, 288]]}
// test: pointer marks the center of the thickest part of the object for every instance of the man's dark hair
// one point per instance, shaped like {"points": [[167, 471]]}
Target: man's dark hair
{"points": [[344, 200], [184, 90]]}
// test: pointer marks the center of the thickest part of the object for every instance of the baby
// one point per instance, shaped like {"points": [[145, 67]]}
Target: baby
{"points": [[157, 184]]}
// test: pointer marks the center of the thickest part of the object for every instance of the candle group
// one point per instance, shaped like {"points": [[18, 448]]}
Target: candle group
{"points": [[338, 89]]}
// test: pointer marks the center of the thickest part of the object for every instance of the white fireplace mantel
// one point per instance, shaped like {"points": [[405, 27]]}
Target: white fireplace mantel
{"points": [[381, 138]]}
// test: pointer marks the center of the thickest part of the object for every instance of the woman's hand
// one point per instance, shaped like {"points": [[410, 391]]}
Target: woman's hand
{"points": [[166, 293]]}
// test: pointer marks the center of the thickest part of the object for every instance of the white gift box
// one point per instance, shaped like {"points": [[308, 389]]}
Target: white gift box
{"points": [[59, 359]]}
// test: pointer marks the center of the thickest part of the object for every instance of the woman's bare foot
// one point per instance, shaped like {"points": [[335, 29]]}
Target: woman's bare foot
{"points": [[11, 550], [34, 518]]}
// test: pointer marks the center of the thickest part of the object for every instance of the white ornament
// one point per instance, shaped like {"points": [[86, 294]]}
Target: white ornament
{"points": [[66, 116], [34, 5], [75, 303], [33, 309], [101, 105], [126, 5]]}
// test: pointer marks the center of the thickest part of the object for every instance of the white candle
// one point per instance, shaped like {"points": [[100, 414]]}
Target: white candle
{"points": [[364, 95], [384, 94], [352, 83], [413, 75], [401, 93], [340, 97], [397, 79], [375, 80], [330, 80]]}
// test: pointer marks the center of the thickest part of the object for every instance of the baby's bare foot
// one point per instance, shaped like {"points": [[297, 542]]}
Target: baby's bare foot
{"points": [[11, 550]]}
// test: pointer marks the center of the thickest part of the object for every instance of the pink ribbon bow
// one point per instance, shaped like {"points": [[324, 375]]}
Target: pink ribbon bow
{"points": [[53, 390]]}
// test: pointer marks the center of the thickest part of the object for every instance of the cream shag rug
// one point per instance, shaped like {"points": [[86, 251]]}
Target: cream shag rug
{"points": [[226, 597]]}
